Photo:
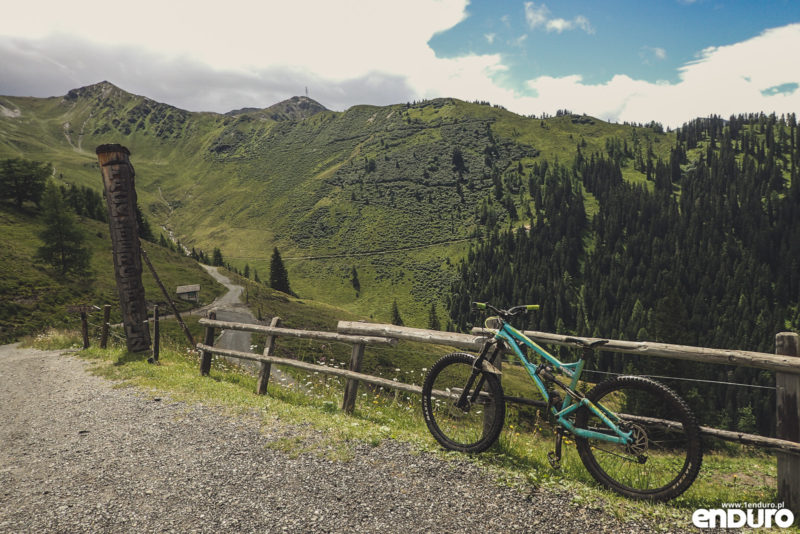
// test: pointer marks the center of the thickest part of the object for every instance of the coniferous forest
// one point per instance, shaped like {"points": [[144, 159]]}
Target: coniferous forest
{"points": [[704, 252]]}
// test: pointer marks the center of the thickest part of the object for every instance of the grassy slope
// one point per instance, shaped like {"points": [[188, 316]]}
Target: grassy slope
{"points": [[35, 296], [247, 183]]}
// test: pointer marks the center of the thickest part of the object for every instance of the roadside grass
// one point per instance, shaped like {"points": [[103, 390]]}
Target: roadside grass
{"points": [[312, 405], [35, 296]]}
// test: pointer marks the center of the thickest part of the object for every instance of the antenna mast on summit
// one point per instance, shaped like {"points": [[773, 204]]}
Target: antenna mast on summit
{"points": [[306, 91]]}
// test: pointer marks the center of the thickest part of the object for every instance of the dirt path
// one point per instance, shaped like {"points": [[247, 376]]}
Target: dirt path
{"points": [[80, 455]]}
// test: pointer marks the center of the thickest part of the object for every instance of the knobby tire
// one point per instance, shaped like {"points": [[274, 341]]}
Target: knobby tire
{"points": [[473, 429]]}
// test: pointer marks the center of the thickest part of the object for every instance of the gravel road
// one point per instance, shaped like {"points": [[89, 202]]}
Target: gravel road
{"points": [[79, 455]]}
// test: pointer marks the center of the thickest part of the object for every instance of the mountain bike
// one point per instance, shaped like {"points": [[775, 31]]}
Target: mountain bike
{"points": [[634, 435]]}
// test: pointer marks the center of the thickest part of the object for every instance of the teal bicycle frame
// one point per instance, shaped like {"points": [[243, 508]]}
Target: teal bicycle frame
{"points": [[573, 400]]}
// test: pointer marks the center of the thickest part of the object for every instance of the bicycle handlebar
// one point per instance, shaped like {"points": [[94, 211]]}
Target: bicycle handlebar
{"points": [[506, 313]]}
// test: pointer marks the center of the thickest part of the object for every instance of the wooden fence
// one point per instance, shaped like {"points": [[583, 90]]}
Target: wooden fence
{"points": [[785, 363]]}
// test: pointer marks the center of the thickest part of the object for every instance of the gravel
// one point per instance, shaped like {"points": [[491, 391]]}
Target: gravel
{"points": [[78, 454]]}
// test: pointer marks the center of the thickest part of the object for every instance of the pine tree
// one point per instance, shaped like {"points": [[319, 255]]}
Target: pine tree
{"points": [[145, 231], [278, 277], [63, 240], [396, 319], [433, 318], [246, 270], [22, 180], [217, 260], [354, 279]]}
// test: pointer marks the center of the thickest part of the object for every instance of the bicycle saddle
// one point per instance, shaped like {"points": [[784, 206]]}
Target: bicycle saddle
{"points": [[586, 343]]}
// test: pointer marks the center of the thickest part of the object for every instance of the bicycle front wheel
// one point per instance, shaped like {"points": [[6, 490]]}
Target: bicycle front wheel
{"points": [[664, 457], [469, 426]]}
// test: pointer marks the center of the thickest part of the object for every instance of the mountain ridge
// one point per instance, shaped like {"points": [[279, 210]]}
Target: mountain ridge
{"points": [[318, 182]]}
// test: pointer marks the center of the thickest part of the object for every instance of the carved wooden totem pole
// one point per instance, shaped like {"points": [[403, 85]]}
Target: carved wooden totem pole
{"points": [[120, 192]]}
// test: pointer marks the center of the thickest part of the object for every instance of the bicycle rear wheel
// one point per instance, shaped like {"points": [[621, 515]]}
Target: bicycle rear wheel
{"points": [[473, 427], [665, 456]]}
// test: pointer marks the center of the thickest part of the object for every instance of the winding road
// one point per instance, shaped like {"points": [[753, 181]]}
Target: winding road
{"points": [[229, 307]]}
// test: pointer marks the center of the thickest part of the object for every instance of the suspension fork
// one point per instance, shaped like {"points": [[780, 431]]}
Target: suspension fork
{"points": [[463, 403]]}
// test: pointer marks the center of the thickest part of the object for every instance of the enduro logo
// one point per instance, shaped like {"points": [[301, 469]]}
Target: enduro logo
{"points": [[738, 515]]}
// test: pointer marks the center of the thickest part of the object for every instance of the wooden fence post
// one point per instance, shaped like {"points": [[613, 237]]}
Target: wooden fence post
{"points": [[104, 331], [85, 329], [156, 344], [266, 367], [788, 427], [205, 358], [488, 420], [351, 387]]}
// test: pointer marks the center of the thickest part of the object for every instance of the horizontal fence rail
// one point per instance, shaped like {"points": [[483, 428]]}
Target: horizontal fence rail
{"points": [[304, 334], [312, 367], [451, 339], [741, 358]]}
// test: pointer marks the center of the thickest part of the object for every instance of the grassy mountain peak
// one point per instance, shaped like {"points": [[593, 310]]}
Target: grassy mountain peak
{"points": [[292, 109]]}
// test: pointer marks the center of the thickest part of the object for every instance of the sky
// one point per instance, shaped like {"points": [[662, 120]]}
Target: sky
{"points": [[620, 60]]}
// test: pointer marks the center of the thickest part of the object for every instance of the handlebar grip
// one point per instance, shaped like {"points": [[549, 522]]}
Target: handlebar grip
{"points": [[531, 307], [479, 305]]}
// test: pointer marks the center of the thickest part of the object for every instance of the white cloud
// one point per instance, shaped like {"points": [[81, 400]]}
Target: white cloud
{"points": [[336, 40], [334, 44], [561, 25], [490, 37], [723, 80], [558, 25], [583, 23], [537, 16], [649, 54]]}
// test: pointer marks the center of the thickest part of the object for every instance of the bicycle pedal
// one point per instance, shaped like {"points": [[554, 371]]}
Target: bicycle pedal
{"points": [[555, 462]]}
